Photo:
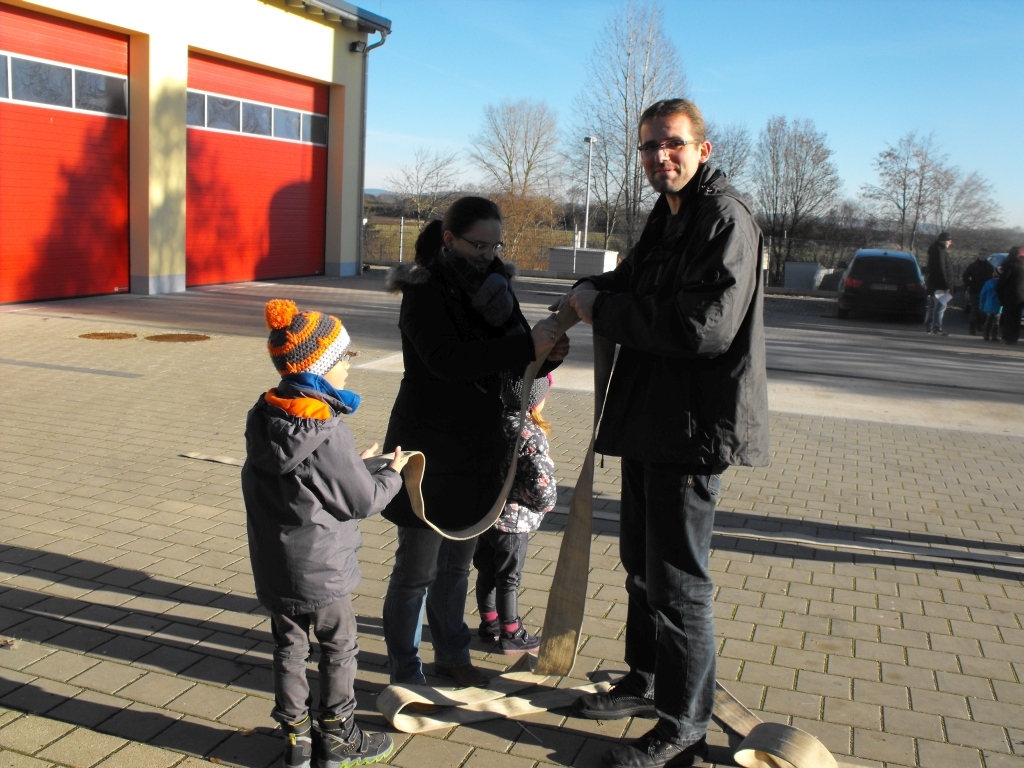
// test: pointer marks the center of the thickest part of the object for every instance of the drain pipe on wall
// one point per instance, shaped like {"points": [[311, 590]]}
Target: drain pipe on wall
{"points": [[356, 46]]}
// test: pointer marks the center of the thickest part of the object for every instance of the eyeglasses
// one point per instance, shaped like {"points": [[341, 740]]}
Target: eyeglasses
{"points": [[651, 148], [495, 248]]}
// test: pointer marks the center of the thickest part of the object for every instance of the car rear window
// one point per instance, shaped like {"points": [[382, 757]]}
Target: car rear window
{"points": [[879, 266]]}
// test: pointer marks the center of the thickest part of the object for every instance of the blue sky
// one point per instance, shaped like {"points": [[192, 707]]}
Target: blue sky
{"points": [[866, 72]]}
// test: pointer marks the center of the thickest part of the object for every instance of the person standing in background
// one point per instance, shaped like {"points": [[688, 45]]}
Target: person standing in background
{"points": [[1011, 293], [940, 280], [978, 272]]}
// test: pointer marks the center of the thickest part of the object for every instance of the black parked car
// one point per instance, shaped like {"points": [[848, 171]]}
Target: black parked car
{"points": [[882, 281]]}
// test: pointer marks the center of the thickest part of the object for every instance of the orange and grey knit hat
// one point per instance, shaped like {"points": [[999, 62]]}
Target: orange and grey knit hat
{"points": [[303, 342]]}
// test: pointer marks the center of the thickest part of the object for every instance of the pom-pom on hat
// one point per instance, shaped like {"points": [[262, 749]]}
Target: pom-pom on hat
{"points": [[303, 342], [512, 390]]}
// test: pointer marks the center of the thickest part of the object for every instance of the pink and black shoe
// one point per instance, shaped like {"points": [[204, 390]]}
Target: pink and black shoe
{"points": [[518, 640]]}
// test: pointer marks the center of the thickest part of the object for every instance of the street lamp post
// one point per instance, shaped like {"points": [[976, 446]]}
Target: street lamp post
{"points": [[590, 157]]}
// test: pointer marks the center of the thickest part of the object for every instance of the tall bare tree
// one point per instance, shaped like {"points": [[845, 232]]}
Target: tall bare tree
{"points": [[633, 64], [731, 148], [427, 185], [910, 174], [794, 179], [965, 202], [517, 149]]}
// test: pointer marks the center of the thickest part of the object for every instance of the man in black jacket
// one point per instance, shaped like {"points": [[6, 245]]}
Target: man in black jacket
{"points": [[939, 280], [687, 398], [978, 272]]}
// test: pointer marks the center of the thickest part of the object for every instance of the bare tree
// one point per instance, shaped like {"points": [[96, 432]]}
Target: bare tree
{"points": [[427, 185], [910, 174], [965, 202], [517, 148], [794, 179], [730, 150], [633, 64]]}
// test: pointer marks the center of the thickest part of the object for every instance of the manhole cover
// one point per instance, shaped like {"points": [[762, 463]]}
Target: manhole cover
{"points": [[178, 337], [106, 335]]}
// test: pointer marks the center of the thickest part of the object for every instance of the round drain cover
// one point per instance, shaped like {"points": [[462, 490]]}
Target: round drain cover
{"points": [[105, 335], [178, 337]]}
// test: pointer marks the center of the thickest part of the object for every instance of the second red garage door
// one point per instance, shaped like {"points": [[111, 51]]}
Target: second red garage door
{"points": [[257, 174]]}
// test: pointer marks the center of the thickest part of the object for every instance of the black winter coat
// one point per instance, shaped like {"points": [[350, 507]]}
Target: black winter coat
{"points": [[449, 404], [1010, 288], [940, 271], [689, 385], [304, 486], [978, 273]]}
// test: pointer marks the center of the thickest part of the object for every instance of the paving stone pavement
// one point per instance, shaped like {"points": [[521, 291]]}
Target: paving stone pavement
{"points": [[125, 581]]}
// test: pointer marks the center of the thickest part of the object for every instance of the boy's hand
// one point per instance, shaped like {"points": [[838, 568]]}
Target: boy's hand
{"points": [[399, 462], [369, 453]]}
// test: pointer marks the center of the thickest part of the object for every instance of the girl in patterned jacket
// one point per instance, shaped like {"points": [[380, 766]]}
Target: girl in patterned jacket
{"points": [[501, 551]]}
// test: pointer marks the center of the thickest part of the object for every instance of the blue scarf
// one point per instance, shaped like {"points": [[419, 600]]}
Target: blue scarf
{"points": [[320, 384]]}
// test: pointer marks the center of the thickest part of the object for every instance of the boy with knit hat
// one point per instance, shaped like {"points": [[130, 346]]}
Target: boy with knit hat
{"points": [[305, 485]]}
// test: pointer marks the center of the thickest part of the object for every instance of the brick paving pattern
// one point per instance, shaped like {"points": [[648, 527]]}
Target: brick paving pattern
{"points": [[125, 581]]}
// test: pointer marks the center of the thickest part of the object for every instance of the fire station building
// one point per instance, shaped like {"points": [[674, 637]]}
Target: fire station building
{"points": [[148, 147]]}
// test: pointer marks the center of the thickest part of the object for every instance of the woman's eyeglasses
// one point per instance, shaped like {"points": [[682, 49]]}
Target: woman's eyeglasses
{"points": [[495, 248]]}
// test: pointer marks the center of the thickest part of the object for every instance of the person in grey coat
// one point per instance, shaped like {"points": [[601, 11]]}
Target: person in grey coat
{"points": [[305, 487], [688, 397]]}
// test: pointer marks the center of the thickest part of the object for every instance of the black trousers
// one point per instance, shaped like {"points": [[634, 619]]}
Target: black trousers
{"points": [[1011, 323], [668, 515], [499, 563], [975, 317]]}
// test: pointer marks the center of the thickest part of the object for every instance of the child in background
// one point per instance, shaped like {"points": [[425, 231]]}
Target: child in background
{"points": [[305, 486], [988, 302], [501, 551]]}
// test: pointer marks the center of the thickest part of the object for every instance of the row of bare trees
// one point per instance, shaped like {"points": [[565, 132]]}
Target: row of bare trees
{"points": [[916, 185], [524, 159], [788, 171]]}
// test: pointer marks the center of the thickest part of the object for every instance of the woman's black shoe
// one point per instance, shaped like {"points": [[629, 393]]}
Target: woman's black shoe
{"points": [[466, 675]]}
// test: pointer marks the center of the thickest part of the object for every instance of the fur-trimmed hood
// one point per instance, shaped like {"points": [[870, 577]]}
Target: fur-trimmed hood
{"points": [[401, 276]]}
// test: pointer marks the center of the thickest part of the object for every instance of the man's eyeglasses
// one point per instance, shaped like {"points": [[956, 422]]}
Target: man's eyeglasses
{"points": [[651, 148], [495, 248]]}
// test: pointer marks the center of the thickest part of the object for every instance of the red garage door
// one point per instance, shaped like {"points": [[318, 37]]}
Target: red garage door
{"points": [[63, 158], [257, 173]]}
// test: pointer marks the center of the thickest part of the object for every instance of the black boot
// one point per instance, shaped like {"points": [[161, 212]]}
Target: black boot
{"points": [[653, 751], [344, 745], [298, 747], [621, 701]]}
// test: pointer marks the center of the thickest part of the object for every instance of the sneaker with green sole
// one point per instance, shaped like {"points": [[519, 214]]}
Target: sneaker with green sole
{"points": [[343, 744]]}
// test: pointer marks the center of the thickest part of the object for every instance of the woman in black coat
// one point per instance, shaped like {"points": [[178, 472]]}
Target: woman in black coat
{"points": [[461, 328]]}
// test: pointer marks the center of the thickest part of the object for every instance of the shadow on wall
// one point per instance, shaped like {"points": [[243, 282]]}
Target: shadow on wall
{"points": [[213, 224], [256, 208], [65, 180], [296, 233]]}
